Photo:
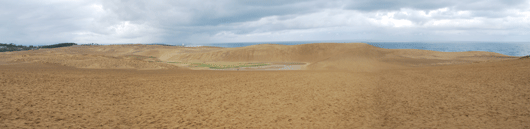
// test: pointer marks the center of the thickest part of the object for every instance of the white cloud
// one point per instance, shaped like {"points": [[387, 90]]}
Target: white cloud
{"points": [[387, 19]]}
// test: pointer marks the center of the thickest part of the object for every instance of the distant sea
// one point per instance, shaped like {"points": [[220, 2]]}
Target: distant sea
{"points": [[506, 48]]}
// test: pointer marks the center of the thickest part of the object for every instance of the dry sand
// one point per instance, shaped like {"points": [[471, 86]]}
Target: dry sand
{"points": [[342, 86]]}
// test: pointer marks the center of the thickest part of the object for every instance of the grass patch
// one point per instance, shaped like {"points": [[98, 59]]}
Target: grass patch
{"points": [[218, 66], [296, 63], [142, 57], [137, 57]]}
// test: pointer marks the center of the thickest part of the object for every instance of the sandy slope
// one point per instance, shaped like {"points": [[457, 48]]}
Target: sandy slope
{"points": [[319, 56], [345, 86]]}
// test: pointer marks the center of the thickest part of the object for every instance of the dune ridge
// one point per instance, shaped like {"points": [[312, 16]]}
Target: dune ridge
{"points": [[319, 56]]}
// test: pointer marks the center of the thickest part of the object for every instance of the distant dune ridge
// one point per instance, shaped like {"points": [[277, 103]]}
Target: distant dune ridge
{"points": [[339, 85], [319, 56]]}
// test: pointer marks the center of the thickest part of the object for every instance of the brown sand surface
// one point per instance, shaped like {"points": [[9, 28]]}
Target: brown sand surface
{"points": [[343, 86]]}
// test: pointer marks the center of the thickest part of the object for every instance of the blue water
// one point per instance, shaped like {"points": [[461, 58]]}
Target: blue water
{"points": [[511, 49], [506, 48]]}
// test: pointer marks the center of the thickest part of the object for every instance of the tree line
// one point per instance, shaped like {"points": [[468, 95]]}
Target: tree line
{"points": [[13, 47], [4, 47]]}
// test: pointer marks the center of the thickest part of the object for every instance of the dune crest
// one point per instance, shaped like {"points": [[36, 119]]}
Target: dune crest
{"points": [[319, 56]]}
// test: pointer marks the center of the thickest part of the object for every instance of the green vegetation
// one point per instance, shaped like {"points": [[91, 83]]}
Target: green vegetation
{"points": [[296, 63], [4, 47], [12, 47], [59, 45], [164, 44], [137, 56], [142, 57], [216, 66], [90, 44]]}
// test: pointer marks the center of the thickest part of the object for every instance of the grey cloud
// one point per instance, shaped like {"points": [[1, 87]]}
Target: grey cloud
{"points": [[491, 5], [174, 21], [377, 5], [184, 19], [25, 22], [199, 13], [269, 2]]}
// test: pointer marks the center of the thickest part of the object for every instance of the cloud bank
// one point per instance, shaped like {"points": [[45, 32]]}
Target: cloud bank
{"points": [[217, 21]]}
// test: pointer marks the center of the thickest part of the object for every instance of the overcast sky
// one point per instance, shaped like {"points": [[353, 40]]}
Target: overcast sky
{"points": [[218, 21]]}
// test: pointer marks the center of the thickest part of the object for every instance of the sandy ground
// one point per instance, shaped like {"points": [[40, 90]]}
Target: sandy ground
{"points": [[341, 86]]}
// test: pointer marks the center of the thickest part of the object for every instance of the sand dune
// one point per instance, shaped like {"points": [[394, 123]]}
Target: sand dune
{"points": [[352, 85], [319, 56]]}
